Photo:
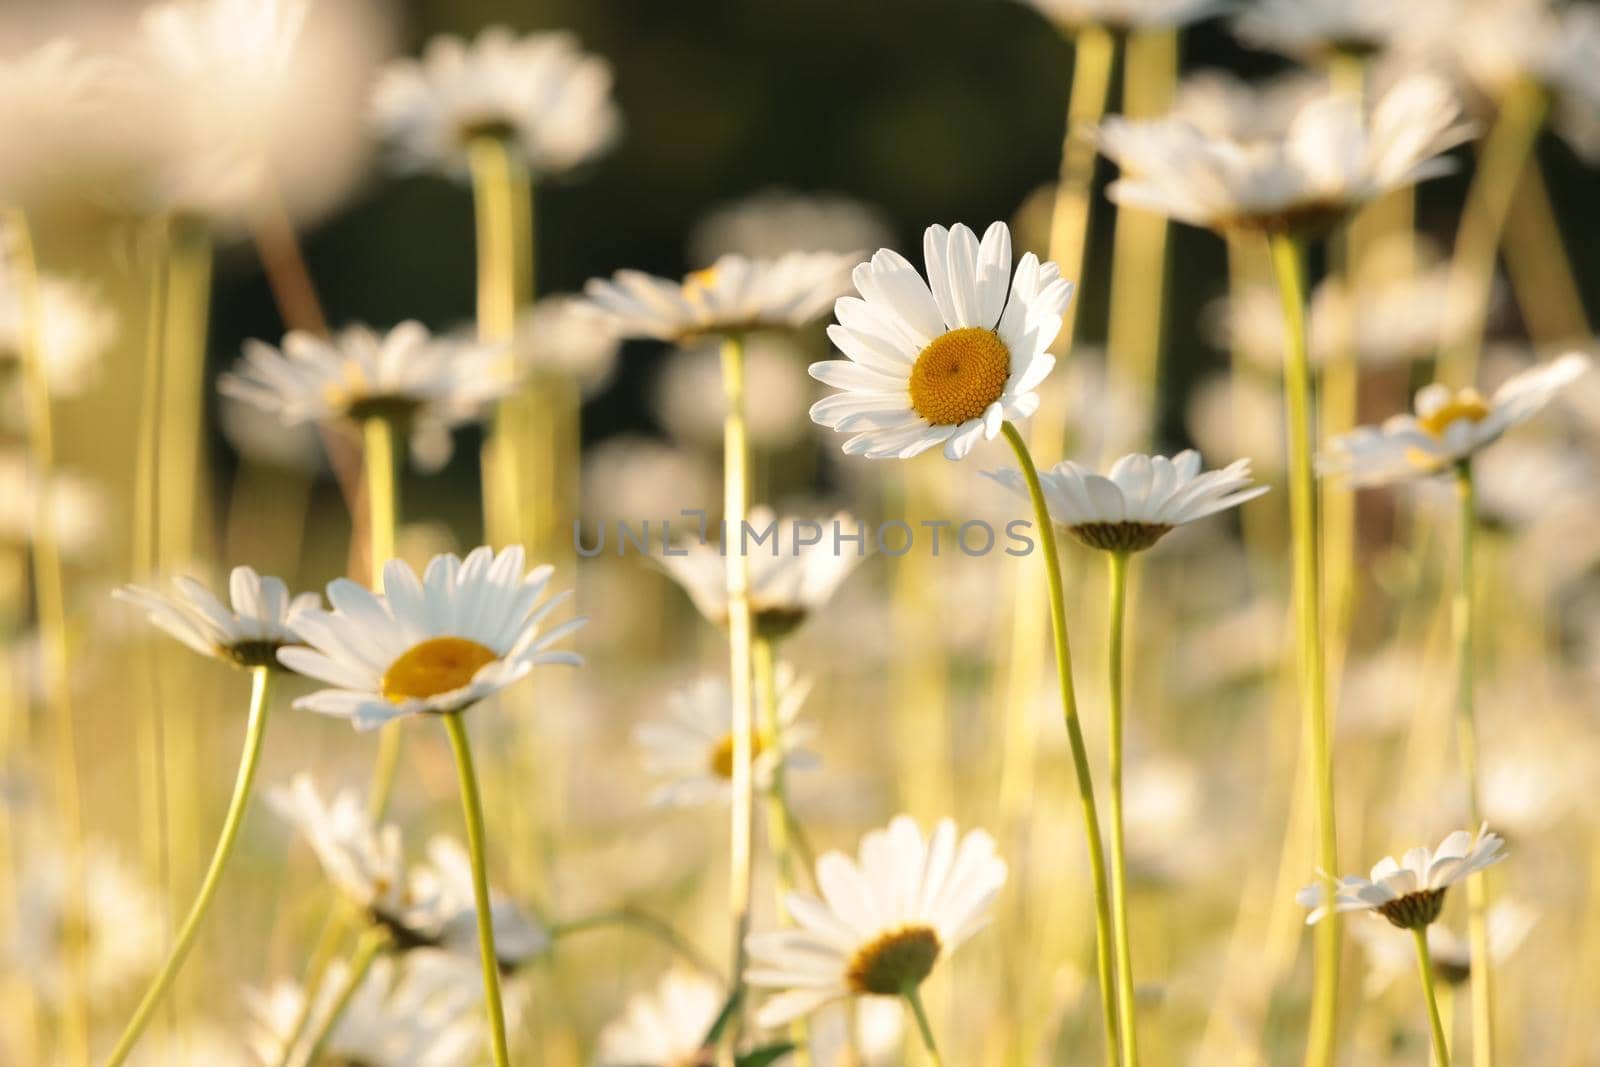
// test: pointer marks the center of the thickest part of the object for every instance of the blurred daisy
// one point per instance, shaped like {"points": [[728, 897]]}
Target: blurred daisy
{"points": [[665, 1026], [81, 508], [1448, 427], [1140, 501], [48, 100], [1390, 959], [76, 329], [775, 222], [688, 393], [628, 477], [541, 94], [789, 578], [1331, 158], [1222, 104], [734, 295], [1318, 28], [446, 882], [1409, 892], [119, 928], [1125, 14], [691, 744], [564, 335], [883, 921], [463, 632], [943, 361], [261, 621]]}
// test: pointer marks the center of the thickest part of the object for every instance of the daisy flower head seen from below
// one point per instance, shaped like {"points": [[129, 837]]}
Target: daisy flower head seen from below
{"points": [[439, 644], [735, 295], [1139, 501], [1334, 156], [666, 1025], [795, 566], [1317, 29], [689, 748], [946, 360], [1409, 892], [1124, 15], [1448, 426], [882, 922], [541, 95], [261, 621]]}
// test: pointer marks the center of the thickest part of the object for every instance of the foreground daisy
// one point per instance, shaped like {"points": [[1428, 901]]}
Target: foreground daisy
{"points": [[261, 621], [735, 295], [667, 1025], [541, 95], [883, 921], [435, 645], [1140, 501], [1448, 427], [946, 360], [1332, 158], [1409, 892]]}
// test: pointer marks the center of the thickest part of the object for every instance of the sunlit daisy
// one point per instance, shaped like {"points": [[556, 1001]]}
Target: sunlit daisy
{"points": [[261, 621], [1409, 892], [733, 295], [883, 920], [943, 361], [666, 1026], [1125, 14], [789, 577], [1140, 501], [776, 222], [1316, 28], [463, 632], [1448, 427], [691, 744], [541, 94], [1332, 157]]}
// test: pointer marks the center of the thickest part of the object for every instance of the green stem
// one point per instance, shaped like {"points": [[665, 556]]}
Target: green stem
{"points": [[1080, 754], [1483, 1027], [1441, 1048], [255, 729], [914, 998], [644, 923], [1119, 861], [380, 462], [367, 952], [1310, 652], [472, 809]]}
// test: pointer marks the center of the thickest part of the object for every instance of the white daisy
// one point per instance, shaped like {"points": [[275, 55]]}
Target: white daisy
{"points": [[261, 621], [1333, 157], [776, 222], [76, 329], [541, 94], [1448, 427], [464, 632], [1316, 28], [1125, 14], [446, 882], [1141, 500], [943, 361], [80, 505], [691, 745], [788, 580], [883, 921], [1409, 892], [564, 335], [666, 1026], [405, 374], [49, 99], [734, 295]]}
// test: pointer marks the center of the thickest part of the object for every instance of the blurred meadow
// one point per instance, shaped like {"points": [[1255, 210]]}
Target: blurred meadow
{"points": [[185, 185]]}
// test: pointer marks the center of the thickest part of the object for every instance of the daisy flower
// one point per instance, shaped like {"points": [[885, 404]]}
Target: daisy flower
{"points": [[81, 507], [1140, 501], [789, 579], [564, 335], [463, 632], [405, 374], [446, 882], [667, 1025], [943, 361], [1448, 427], [736, 294], [77, 327], [691, 745], [883, 921], [1333, 156], [1125, 14], [541, 94], [1409, 892], [261, 621], [688, 392], [1317, 28], [776, 222]]}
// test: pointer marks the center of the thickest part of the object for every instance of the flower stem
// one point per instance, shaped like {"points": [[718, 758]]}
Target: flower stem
{"points": [[322, 956], [1080, 755], [1093, 60], [472, 809], [367, 951], [255, 730], [735, 507], [914, 998], [380, 462], [1310, 650], [1119, 861], [1441, 1049], [1467, 739]]}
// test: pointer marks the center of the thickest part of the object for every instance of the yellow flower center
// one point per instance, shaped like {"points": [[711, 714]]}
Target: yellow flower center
{"points": [[436, 666], [959, 375], [1467, 404], [722, 755], [700, 279], [894, 962]]}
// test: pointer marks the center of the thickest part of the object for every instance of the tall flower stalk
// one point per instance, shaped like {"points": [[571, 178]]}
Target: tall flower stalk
{"points": [[380, 462], [1441, 1046], [1117, 565]]}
